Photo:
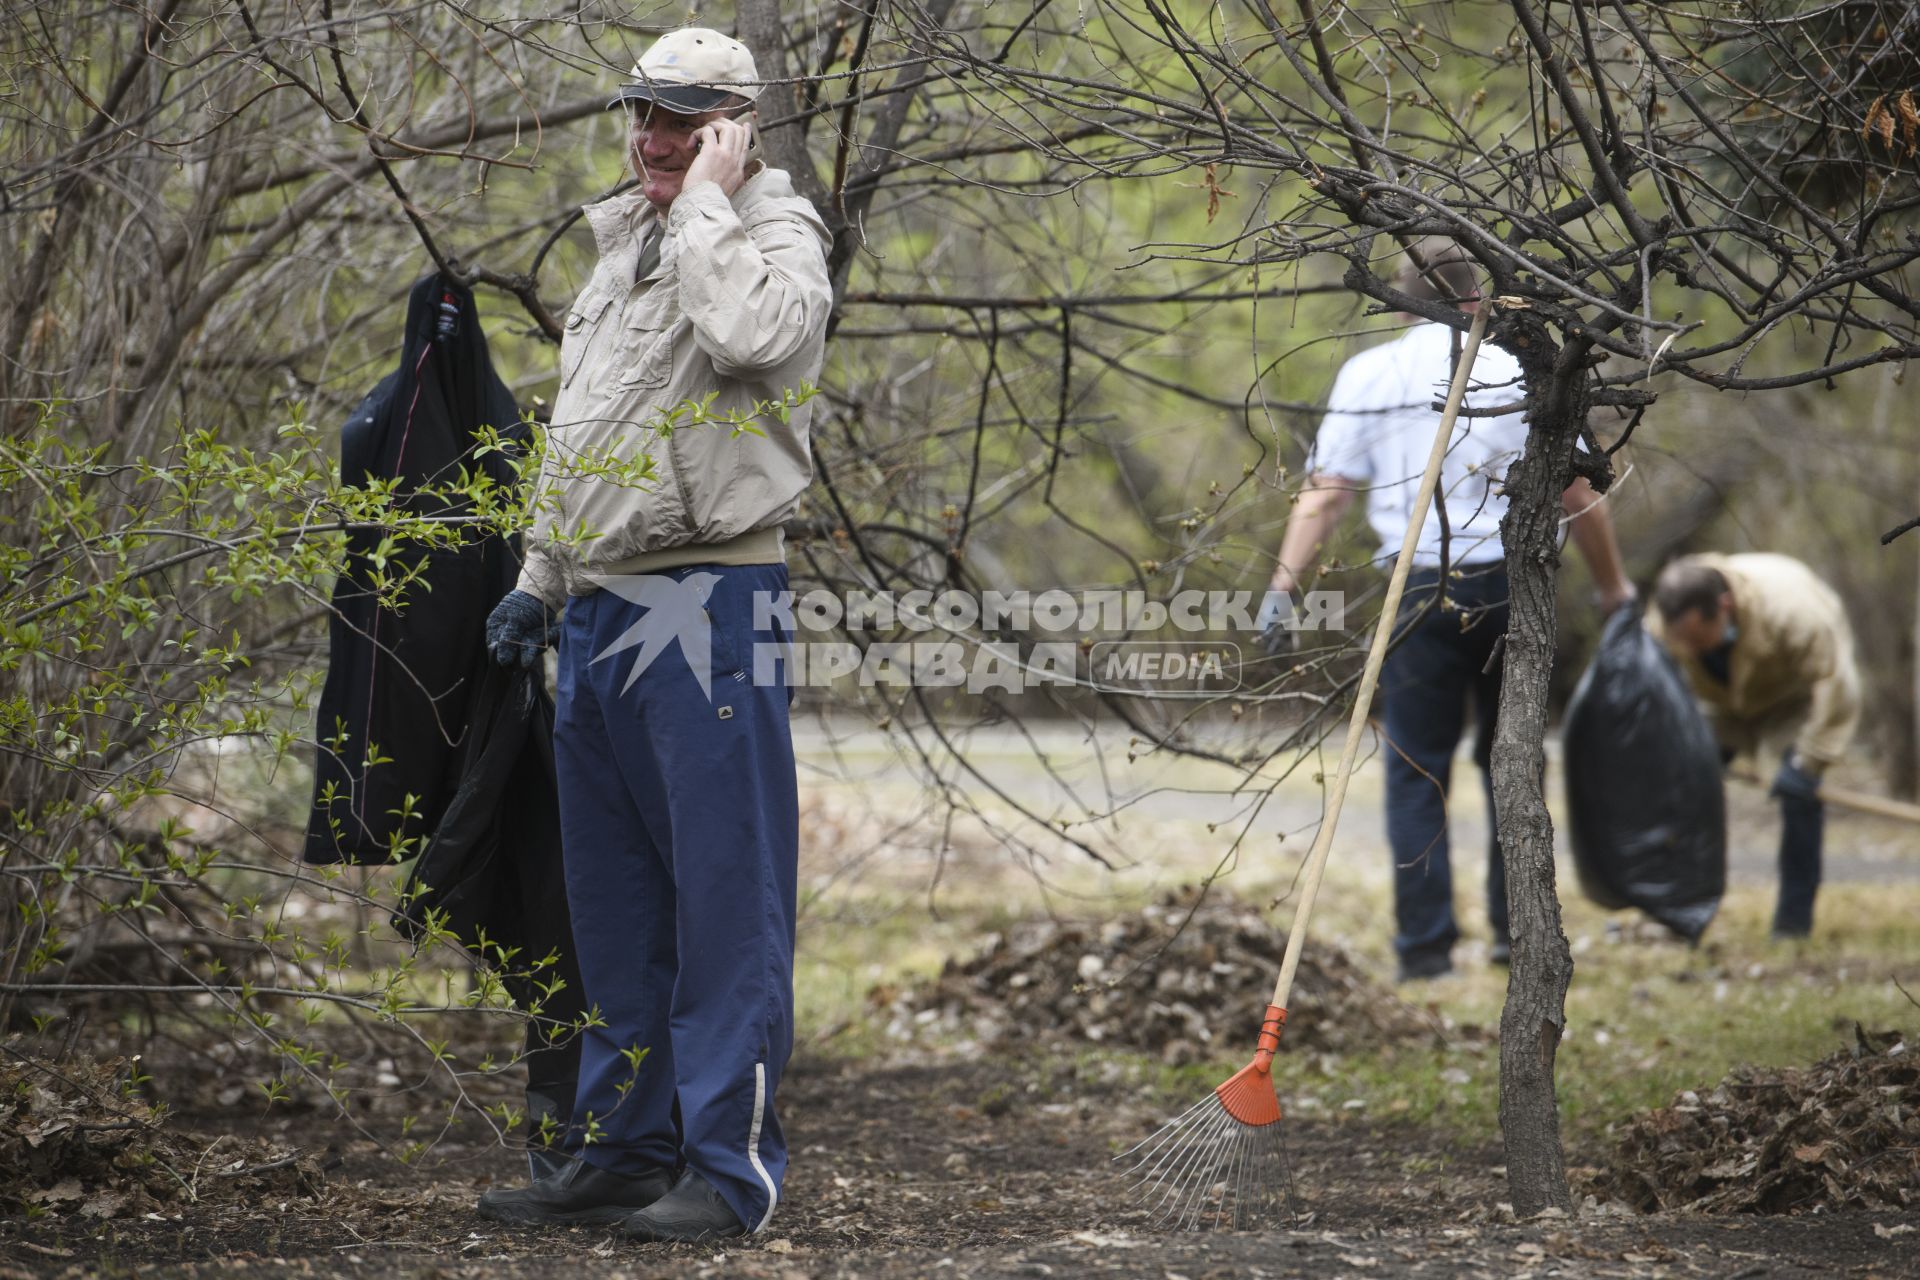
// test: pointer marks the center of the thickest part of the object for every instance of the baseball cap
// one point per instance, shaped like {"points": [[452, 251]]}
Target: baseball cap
{"points": [[691, 70]]}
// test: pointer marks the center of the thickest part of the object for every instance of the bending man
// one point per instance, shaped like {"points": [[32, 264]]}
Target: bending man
{"points": [[1769, 653]]}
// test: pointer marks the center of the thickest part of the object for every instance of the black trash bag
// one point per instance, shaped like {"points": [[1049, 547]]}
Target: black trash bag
{"points": [[1646, 803]]}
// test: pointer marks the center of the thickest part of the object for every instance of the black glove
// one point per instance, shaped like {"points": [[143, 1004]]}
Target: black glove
{"points": [[1277, 633], [518, 629], [1795, 780]]}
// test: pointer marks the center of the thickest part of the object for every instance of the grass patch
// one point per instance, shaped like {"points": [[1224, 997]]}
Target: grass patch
{"points": [[1647, 1019]]}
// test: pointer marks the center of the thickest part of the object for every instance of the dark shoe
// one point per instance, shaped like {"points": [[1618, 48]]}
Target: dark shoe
{"points": [[1792, 933], [1424, 966], [581, 1194], [692, 1211], [1501, 952]]}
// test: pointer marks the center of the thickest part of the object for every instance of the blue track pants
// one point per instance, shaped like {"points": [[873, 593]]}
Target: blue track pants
{"points": [[680, 822]]}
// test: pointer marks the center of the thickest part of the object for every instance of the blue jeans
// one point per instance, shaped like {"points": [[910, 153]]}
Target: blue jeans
{"points": [[679, 817], [1436, 668]]}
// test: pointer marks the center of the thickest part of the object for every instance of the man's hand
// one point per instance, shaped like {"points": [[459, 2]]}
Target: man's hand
{"points": [[518, 629], [1798, 779], [723, 156], [1276, 626], [1622, 597]]}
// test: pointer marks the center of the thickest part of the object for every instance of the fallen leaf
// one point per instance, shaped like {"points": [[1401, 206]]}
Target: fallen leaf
{"points": [[61, 1191], [38, 1135], [103, 1204]]}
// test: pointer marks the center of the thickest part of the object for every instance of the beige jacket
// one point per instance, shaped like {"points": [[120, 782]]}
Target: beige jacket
{"points": [[1792, 663], [736, 310]]}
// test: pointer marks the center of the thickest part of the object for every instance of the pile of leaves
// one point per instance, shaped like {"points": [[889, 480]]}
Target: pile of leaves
{"points": [[76, 1139], [1186, 978], [1843, 1134]]}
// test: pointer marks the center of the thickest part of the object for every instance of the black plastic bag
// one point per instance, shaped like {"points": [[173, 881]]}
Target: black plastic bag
{"points": [[1646, 804], [492, 870]]}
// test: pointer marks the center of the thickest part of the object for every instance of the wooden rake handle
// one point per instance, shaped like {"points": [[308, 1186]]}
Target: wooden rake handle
{"points": [[1859, 801], [1376, 655]]}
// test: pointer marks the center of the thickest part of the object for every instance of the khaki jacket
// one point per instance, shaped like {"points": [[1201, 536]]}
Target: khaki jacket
{"points": [[736, 310], [1792, 663]]}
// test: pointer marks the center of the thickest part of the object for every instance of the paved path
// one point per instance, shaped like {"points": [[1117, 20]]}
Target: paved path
{"points": [[1062, 772]]}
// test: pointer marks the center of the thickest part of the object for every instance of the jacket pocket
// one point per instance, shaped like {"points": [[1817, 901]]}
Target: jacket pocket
{"points": [[578, 337], [643, 358]]}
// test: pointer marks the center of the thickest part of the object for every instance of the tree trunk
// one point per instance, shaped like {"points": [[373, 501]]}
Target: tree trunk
{"points": [[765, 32], [1535, 1011]]}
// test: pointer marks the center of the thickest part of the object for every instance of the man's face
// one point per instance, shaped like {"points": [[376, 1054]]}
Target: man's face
{"points": [[1699, 632], [660, 146]]}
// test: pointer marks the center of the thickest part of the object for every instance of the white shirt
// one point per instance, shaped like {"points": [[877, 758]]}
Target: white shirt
{"points": [[1379, 430]]}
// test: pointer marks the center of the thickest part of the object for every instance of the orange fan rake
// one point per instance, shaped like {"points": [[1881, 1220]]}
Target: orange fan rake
{"points": [[1222, 1160], [1223, 1157]]}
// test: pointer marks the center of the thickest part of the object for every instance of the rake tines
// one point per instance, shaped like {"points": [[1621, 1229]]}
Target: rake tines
{"points": [[1223, 1159]]}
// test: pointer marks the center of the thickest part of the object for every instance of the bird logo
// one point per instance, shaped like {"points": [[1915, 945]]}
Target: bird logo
{"points": [[676, 609]]}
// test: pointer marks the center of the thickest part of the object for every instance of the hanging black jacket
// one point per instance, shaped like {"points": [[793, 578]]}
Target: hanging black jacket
{"points": [[399, 680], [469, 740]]}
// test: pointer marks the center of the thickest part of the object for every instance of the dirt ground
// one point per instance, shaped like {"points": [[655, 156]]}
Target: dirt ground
{"points": [[962, 1168], [921, 1157]]}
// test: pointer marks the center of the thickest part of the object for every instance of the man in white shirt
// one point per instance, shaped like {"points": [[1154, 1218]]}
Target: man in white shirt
{"points": [[1375, 440]]}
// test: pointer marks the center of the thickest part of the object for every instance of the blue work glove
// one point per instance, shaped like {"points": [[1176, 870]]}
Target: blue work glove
{"points": [[518, 629], [1276, 628], [1797, 779]]}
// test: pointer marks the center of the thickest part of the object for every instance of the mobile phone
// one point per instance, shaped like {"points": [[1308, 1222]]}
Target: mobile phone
{"points": [[753, 134]]}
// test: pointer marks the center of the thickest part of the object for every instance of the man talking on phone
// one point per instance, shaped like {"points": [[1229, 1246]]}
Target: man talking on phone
{"points": [[678, 449]]}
